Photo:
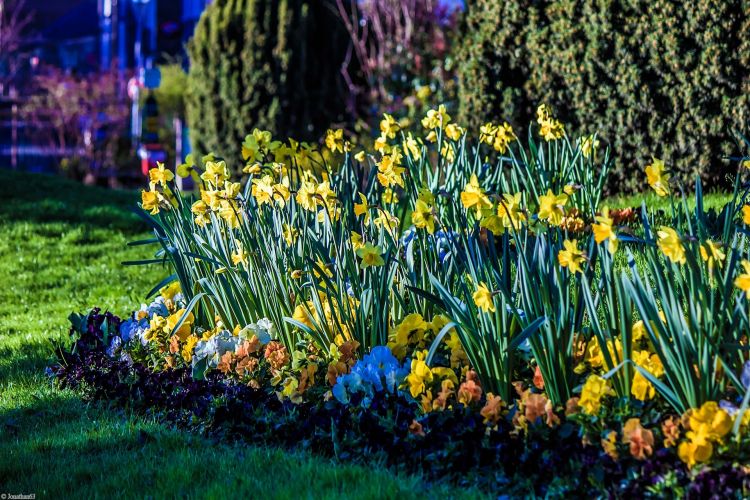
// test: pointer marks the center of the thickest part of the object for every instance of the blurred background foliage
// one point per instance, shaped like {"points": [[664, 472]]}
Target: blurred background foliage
{"points": [[661, 78]]}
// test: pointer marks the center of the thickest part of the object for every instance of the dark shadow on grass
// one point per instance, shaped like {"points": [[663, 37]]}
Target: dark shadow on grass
{"points": [[46, 198], [31, 358]]}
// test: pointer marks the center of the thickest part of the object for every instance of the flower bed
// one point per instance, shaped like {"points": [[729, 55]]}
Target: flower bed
{"points": [[488, 323]]}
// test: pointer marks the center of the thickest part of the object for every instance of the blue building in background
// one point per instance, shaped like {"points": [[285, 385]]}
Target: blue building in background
{"points": [[84, 36]]}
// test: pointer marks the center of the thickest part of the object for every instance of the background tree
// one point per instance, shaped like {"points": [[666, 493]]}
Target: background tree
{"points": [[270, 64], [82, 119], [14, 19], [653, 77], [398, 44]]}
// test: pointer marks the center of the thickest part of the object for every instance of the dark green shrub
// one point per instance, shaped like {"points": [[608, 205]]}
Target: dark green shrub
{"points": [[656, 77], [270, 64]]}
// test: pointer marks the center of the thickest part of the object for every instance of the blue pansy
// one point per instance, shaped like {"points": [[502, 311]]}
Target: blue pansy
{"points": [[376, 372]]}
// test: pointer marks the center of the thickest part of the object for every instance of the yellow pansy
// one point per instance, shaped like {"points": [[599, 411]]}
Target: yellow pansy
{"points": [[593, 390], [420, 375]]}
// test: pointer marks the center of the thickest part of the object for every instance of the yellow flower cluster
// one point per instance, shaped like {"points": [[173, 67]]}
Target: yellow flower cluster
{"points": [[594, 389], [549, 128], [159, 195], [332, 317], [497, 136], [219, 197], [506, 214], [414, 333], [707, 426]]}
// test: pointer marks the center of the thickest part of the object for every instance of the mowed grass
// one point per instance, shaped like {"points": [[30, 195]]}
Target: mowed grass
{"points": [[61, 245]]}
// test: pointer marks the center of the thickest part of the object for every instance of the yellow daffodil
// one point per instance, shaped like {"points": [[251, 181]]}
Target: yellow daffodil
{"points": [[356, 240], [504, 135], [746, 214], [230, 214], [641, 388], [453, 131], [389, 170], [386, 219], [657, 178], [671, 245], [423, 217], [389, 196], [603, 231], [389, 127], [160, 175], [289, 234], [150, 201], [571, 256], [216, 173], [411, 146], [589, 146], [552, 207], [335, 140], [712, 254], [483, 298], [473, 196], [262, 190], [362, 208], [240, 256], [306, 196], [252, 168], [371, 255], [436, 118], [742, 281]]}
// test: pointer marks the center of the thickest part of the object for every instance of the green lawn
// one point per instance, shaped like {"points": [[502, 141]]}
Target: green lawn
{"points": [[61, 245]]}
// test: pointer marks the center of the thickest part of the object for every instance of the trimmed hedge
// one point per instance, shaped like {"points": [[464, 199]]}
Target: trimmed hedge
{"points": [[662, 78], [270, 64]]}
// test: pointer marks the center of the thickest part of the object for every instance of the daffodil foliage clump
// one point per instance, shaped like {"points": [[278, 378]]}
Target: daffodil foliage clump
{"points": [[482, 279]]}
